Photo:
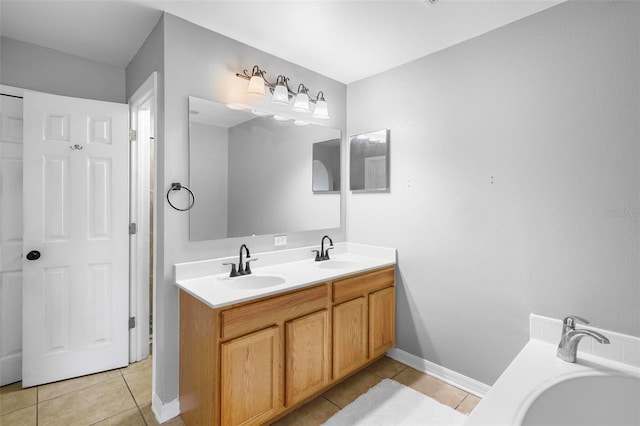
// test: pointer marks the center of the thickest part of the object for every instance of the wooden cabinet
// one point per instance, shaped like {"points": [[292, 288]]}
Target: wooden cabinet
{"points": [[307, 356], [363, 319], [349, 336], [249, 377], [382, 324], [253, 362]]}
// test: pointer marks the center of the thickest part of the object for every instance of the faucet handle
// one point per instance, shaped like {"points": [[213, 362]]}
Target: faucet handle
{"points": [[247, 267], [326, 253], [571, 320], [233, 272], [317, 255]]}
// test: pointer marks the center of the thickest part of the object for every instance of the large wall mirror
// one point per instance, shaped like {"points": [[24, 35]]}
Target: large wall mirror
{"points": [[369, 162], [254, 175]]}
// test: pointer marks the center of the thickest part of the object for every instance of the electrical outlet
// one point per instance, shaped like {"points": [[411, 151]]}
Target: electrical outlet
{"points": [[280, 240]]}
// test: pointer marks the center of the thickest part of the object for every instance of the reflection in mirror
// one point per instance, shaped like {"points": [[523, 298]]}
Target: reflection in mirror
{"points": [[369, 161], [251, 174], [326, 166]]}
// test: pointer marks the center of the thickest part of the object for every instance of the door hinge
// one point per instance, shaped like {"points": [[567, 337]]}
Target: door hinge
{"points": [[132, 322], [133, 135], [133, 228]]}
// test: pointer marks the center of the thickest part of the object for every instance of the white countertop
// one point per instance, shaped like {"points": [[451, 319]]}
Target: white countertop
{"points": [[204, 281]]}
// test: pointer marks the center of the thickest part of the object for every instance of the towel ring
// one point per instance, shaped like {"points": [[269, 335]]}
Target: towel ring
{"points": [[176, 186]]}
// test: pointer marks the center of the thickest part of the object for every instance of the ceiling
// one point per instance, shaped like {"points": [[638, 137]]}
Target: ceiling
{"points": [[346, 40]]}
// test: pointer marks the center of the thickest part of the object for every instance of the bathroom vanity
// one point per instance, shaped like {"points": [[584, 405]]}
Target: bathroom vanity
{"points": [[251, 361]]}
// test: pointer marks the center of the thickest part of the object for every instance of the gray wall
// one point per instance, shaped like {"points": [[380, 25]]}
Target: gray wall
{"points": [[198, 62], [34, 67], [514, 183]]}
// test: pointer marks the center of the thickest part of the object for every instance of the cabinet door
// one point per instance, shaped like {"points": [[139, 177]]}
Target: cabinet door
{"points": [[382, 323], [249, 378], [307, 354], [349, 336]]}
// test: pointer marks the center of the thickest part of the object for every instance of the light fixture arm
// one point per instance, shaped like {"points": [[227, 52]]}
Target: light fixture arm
{"points": [[280, 79]]}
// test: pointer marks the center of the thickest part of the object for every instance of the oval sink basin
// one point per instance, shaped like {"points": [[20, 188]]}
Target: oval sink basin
{"points": [[250, 282], [336, 264]]}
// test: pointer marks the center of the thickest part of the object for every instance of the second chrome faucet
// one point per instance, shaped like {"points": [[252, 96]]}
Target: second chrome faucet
{"points": [[243, 268]]}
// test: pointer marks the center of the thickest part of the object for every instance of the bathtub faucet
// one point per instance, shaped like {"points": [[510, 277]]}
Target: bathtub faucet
{"points": [[571, 336]]}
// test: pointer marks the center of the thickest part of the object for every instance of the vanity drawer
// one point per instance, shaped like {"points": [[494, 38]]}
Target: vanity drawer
{"points": [[350, 288], [258, 315]]}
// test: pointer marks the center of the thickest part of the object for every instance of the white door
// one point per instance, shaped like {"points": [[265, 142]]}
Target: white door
{"points": [[75, 266], [375, 172], [10, 240]]}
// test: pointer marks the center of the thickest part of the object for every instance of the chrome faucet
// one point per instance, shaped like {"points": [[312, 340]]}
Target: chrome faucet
{"points": [[243, 269], [571, 336], [323, 254]]}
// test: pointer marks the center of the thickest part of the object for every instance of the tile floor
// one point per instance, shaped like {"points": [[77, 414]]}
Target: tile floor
{"points": [[123, 397], [116, 397]]}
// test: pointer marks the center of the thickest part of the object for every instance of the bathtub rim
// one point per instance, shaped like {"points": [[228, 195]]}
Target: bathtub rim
{"points": [[534, 369]]}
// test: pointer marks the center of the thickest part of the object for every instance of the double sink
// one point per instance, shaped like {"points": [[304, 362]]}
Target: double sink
{"points": [[255, 281], [276, 272]]}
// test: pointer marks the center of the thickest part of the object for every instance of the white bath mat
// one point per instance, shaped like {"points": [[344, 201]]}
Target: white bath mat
{"points": [[390, 403]]}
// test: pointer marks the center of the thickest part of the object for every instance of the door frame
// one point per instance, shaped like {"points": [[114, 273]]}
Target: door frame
{"points": [[139, 255], [13, 362]]}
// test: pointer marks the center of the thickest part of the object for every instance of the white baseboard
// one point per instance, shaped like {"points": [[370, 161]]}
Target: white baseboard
{"points": [[458, 380], [164, 412]]}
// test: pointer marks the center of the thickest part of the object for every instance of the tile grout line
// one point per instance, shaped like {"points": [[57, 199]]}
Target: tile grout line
{"points": [[134, 399], [461, 401], [454, 408], [332, 403]]}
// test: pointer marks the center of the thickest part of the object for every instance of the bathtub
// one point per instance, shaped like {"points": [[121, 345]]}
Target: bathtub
{"points": [[539, 388]]}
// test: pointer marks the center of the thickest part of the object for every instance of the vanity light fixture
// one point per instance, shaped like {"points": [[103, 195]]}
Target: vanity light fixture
{"points": [[256, 82], [282, 93], [301, 101], [321, 110]]}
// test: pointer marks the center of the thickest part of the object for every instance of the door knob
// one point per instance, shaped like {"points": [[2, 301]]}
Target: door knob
{"points": [[33, 255]]}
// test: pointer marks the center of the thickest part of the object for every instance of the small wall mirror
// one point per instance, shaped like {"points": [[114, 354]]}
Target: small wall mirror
{"points": [[252, 175], [369, 161], [326, 166]]}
